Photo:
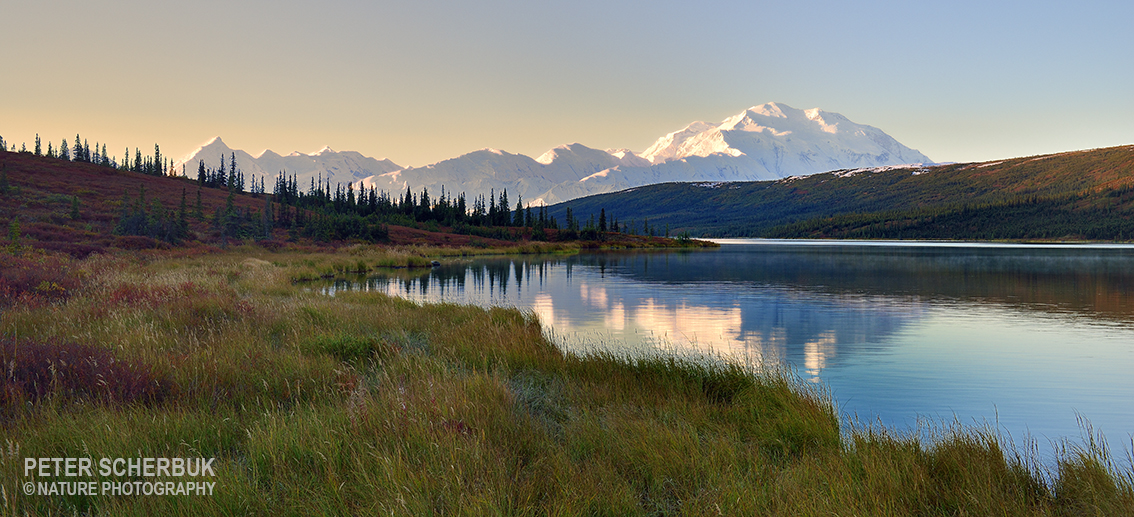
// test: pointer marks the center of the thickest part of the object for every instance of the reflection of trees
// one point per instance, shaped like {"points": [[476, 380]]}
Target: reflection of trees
{"points": [[494, 276], [804, 305], [1092, 283]]}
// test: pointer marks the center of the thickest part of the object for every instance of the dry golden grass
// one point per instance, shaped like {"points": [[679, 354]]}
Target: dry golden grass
{"points": [[364, 404]]}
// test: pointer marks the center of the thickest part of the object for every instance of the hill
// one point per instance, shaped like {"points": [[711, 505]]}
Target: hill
{"points": [[1083, 194], [76, 208], [80, 208]]}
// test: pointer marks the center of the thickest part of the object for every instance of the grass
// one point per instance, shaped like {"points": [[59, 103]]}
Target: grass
{"points": [[365, 404]]}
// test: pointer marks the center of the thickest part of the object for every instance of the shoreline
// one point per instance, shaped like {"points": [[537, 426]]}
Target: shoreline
{"points": [[363, 402]]}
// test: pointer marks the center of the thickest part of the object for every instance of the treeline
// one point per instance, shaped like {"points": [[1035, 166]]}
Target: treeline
{"points": [[230, 179], [151, 219], [81, 151], [320, 211], [1107, 217], [346, 212]]}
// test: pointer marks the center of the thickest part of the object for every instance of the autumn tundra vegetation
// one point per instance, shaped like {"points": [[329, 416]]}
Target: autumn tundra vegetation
{"points": [[220, 346]]}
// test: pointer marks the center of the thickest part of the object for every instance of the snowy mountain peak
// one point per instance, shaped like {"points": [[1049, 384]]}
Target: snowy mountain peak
{"points": [[764, 142], [770, 109], [325, 164], [776, 139], [551, 154]]}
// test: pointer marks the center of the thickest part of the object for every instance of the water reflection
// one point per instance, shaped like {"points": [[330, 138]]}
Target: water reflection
{"points": [[630, 302], [1025, 337], [805, 305]]}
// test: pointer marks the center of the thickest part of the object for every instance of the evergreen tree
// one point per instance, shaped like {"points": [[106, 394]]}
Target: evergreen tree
{"points": [[518, 214], [77, 152], [233, 171], [602, 220], [157, 160], [38, 148], [86, 152], [505, 211], [105, 157], [64, 151], [50, 150], [221, 178]]}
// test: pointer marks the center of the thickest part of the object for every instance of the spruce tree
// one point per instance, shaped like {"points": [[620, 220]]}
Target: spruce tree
{"points": [[38, 148], [64, 151], [233, 171], [77, 151], [221, 176], [505, 211]]}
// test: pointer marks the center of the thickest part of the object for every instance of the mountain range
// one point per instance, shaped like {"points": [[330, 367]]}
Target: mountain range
{"points": [[768, 141]]}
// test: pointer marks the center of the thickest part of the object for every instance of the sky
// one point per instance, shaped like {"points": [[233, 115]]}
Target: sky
{"points": [[425, 80]]}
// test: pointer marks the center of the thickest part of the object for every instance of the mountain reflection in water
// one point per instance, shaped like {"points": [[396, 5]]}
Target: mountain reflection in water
{"points": [[1026, 337]]}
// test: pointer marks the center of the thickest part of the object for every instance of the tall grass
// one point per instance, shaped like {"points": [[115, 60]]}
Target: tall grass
{"points": [[365, 404]]}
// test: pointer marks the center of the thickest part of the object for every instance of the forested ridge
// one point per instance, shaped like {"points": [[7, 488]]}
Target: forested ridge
{"points": [[1075, 195]]}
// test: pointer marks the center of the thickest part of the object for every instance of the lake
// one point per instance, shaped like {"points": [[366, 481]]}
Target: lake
{"points": [[1023, 338]]}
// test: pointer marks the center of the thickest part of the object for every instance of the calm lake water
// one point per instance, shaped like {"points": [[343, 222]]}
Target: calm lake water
{"points": [[1023, 338]]}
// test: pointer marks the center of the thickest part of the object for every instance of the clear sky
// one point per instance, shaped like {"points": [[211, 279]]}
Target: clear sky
{"points": [[419, 81]]}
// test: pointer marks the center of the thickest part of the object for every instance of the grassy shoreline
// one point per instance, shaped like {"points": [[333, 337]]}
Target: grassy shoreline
{"points": [[361, 403]]}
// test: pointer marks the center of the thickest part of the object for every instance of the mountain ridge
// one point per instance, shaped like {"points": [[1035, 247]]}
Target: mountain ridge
{"points": [[1028, 197], [766, 141]]}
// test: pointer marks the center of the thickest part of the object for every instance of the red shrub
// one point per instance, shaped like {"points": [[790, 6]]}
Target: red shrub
{"points": [[35, 279], [34, 370]]}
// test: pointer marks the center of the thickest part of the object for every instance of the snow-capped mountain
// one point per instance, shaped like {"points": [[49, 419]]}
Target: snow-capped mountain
{"points": [[775, 140], [335, 166], [769, 141]]}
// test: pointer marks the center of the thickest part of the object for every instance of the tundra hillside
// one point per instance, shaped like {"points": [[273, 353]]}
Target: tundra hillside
{"points": [[1083, 195], [81, 208], [360, 403]]}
